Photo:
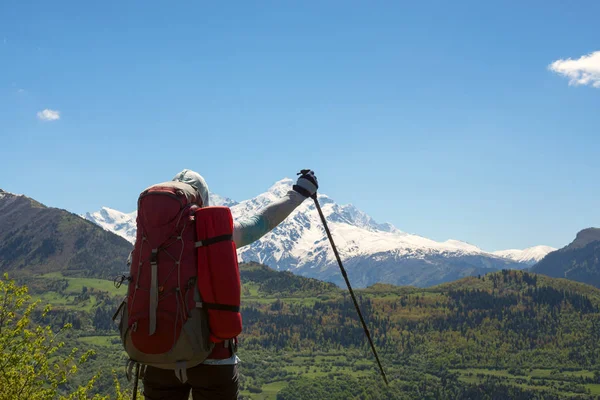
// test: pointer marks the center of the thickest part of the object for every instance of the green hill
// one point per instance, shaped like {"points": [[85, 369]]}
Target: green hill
{"points": [[39, 239]]}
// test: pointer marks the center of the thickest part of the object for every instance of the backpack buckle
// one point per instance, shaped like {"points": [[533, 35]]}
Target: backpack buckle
{"points": [[154, 256]]}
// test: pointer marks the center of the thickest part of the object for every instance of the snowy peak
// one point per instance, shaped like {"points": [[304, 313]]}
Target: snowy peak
{"points": [[347, 213], [463, 246], [216, 200], [351, 215], [281, 187], [115, 221], [529, 256]]}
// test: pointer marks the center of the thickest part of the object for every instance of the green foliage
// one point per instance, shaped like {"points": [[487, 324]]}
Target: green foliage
{"points": [[31, 366], [271, 282], [341, 387], [507, 320]]}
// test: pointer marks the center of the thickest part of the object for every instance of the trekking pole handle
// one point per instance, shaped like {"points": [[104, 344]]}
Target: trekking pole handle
{"points": [[304, 172]]}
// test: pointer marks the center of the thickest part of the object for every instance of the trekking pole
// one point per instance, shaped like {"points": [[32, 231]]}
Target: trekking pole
{"points": [[135, 382], [339, 260]]}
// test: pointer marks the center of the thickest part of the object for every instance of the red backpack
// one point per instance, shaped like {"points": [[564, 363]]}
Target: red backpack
{"points": [[183, 301]]}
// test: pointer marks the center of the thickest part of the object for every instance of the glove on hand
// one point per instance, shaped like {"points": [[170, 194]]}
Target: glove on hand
{"points": [[307, 184]]}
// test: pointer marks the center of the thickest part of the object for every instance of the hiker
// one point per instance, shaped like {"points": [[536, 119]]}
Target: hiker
{"points": [[217, 376]]}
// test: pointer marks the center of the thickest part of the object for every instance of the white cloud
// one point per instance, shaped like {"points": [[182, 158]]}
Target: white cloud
{"points": [[48, 115], [583, 71]]}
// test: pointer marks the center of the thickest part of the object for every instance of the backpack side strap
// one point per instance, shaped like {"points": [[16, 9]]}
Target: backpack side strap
{"points": [[216, 306], [213, 240]]}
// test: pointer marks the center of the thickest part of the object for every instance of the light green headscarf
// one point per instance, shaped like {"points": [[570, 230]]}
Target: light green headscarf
{"points": [[195, 180]]}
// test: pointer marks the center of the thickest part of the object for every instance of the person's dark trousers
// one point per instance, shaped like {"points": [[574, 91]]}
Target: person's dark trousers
{"points": [[207, 382]]}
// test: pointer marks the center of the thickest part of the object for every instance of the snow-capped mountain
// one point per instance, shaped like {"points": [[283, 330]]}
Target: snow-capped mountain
{"points": [[115, 221], [528, 256], [216, 200], [372, 252]]}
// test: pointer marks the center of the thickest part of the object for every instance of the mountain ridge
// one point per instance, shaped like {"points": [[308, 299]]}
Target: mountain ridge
{"points": [[578, 261], [530, 255], [38, 239]]}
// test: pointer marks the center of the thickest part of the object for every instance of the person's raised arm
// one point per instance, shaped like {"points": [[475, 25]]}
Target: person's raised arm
{"points": [[251, 228]]}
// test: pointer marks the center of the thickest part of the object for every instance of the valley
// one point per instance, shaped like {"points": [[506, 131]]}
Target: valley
{"points": [[511, 332]]}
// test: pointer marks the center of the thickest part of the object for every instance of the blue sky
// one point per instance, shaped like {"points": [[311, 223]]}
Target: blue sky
{"points": [[440, 117]]}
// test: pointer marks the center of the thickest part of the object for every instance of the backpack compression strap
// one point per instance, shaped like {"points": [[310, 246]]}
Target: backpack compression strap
{"points": [[213, 240], [216, 306]]}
